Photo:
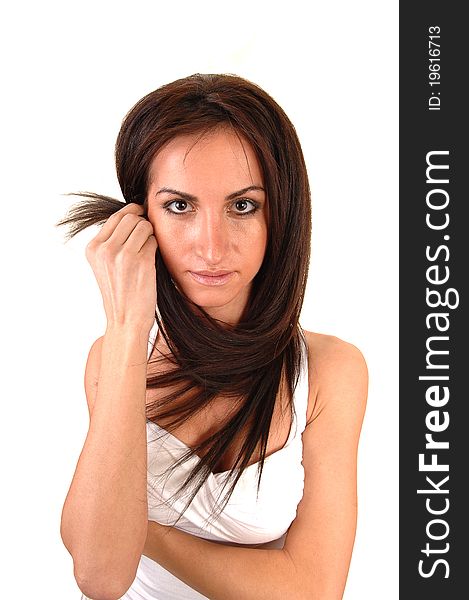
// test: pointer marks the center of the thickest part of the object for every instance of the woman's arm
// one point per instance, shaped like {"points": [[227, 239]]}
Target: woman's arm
{"points": [[314, 562], [104, 519]]}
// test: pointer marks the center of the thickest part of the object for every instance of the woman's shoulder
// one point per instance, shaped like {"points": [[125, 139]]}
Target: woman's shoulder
{"points": [[334, 368], [327, 348]]}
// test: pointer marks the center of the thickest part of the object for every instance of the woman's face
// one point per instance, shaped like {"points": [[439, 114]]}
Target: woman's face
{"points": [[208, 208]]}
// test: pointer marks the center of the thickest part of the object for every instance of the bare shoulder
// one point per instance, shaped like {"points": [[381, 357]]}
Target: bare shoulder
{"points": [[337, 373], [93, 366]]}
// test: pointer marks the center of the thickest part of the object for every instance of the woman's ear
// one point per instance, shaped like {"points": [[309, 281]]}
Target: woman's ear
{"points": [[145, 207]]}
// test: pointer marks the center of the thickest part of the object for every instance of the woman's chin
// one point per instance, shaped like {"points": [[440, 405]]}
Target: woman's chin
{"points": [[219, 304]]}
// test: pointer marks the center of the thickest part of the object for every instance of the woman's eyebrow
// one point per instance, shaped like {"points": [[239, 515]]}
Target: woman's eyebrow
{"points": [[192, 198]]}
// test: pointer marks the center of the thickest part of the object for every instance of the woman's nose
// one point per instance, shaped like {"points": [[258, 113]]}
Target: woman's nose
{"points": [[211, 239]]}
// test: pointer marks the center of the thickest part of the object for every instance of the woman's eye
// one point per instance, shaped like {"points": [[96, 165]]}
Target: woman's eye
{"points": [[177, 207], [245, 206]]}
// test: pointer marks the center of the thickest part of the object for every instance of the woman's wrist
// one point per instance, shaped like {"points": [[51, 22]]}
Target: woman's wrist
{"points": [[129, 330]]}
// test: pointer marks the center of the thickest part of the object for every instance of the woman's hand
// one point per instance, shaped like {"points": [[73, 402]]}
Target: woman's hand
{"points": [[122, 257]]}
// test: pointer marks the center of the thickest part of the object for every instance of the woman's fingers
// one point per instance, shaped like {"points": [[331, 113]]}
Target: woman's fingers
{"points": [[132, 231], [110, 225], [122, 256], [139, 236]]}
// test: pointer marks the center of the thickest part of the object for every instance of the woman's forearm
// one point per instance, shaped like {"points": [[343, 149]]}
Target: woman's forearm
{"points": [[104, 520], [223, 572]]}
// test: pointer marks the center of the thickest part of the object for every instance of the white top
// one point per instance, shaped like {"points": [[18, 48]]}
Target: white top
{"points": [[247, 518]]}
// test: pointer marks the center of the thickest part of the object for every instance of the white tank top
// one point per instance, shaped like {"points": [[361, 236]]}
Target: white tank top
{"points": [[248, 517]]}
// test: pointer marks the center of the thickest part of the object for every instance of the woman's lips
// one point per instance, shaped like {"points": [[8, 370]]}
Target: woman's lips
{"points": [[218, 278]]}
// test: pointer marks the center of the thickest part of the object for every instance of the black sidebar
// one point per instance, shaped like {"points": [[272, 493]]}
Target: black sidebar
{"points": [[434, 330]]}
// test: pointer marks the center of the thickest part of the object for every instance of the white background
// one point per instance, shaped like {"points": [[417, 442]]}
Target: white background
{"points": [[71, 72]]}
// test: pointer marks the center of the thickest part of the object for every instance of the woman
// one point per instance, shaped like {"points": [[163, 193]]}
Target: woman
{"points": [[224, 466]]}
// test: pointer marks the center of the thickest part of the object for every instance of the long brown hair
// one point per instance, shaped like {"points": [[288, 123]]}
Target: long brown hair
{"points": [[249, 359]]}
